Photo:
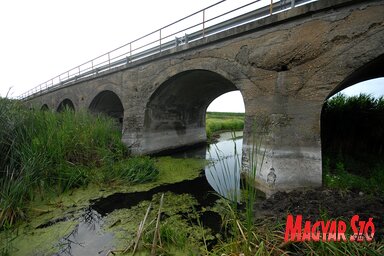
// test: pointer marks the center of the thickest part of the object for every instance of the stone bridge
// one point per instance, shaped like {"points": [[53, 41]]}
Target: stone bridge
{"points": [[285, 66]]}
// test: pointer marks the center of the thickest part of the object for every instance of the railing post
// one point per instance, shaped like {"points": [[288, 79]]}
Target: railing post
{"points": [[292, 3], [160, 39], [130, 50], [203, 23], [270, 7], [79, 70], [109, 60]]}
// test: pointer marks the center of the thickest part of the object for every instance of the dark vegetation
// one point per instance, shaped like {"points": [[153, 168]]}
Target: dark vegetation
{"points": [[352, 133]]}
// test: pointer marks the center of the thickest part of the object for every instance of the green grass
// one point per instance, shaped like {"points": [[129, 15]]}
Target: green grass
{"points": [[218, 122], [45, 153], [178, 169], [133, 170], [339, 178]]}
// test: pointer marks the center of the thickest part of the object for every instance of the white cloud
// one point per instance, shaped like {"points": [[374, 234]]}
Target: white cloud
{"points": [[228, 102], [374, 87]]}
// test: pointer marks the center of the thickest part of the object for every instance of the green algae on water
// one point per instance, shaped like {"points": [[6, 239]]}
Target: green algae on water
{"points": [[32, 241], [68, 207], [178, 233]]}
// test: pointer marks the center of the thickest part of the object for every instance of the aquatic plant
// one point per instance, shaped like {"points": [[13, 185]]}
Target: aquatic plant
{"points": [[133, 170], [240, 223]]}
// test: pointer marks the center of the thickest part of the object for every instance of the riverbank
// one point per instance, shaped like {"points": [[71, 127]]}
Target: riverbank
{"points": [[85, 198], [218, 122]]}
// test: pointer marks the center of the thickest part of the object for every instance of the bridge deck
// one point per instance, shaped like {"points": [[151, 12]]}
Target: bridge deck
{"points": [[126, 54]]}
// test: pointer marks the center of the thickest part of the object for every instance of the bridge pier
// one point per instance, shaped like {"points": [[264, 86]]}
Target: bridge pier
{"points": [[282, 140]]}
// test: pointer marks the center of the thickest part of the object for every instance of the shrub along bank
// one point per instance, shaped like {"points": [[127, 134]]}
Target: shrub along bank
{"points": [[352, 135], [46, 153]]}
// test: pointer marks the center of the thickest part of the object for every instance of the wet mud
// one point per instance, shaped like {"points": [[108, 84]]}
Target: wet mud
{"points": [[322, 204]]}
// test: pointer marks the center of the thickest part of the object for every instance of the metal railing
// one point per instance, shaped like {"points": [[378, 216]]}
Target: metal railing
{"points": [[193, 27]]}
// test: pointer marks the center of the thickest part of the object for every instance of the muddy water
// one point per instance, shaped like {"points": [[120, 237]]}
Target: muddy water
{"points": [[91, 235]]}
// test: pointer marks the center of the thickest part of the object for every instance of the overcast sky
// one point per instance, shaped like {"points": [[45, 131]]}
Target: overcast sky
{"points": [[43, 38]]}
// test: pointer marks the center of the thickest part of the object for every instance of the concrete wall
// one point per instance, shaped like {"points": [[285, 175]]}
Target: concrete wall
{"points": [[285, 66]]}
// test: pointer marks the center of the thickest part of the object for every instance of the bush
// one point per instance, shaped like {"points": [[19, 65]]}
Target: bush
{"points": [[353, 126], [353, 142]]}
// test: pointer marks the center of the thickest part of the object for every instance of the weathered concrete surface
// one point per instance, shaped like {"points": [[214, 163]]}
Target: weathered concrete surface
{"points": [[285, 66]]}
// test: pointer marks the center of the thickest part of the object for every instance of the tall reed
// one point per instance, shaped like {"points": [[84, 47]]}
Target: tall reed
{"points": [[45, 152], [242, 224], [353, 126]]}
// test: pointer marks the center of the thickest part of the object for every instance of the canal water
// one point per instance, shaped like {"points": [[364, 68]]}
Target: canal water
{"points": [[221, 176], [223, 172]]}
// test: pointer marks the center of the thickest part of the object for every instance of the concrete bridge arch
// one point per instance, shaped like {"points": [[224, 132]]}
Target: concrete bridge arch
{"points": [[44, 107], [175, 111], [66, 103], [108, 103], [370, 70]]}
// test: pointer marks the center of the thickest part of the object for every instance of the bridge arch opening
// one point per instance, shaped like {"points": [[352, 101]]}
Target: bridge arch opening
{"points": [[352, 123], [44, 107], [108, 103], [66, 104], [175, 115], [225, 114]]}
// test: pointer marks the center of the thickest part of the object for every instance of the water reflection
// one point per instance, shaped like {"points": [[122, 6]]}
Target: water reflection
{"points": [[223, 172], [86, 238]]}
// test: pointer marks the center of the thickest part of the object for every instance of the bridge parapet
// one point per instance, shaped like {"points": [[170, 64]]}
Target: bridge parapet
{"points": [[192, 28]]}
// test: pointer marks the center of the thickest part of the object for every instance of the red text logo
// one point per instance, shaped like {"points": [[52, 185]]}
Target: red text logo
{"points": [[330, 230]]}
